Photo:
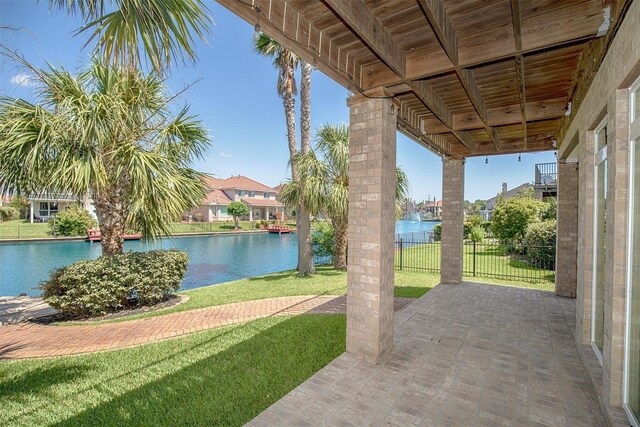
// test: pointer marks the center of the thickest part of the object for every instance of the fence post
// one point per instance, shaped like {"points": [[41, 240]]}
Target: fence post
{"points": [[474, 258], [400, 253]]}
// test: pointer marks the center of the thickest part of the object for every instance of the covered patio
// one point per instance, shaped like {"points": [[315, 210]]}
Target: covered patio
{"points": [[464, 79], [463, 355]]}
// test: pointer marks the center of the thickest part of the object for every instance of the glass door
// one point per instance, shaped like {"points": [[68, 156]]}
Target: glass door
{"points": [[632, 342], [600, 239]]}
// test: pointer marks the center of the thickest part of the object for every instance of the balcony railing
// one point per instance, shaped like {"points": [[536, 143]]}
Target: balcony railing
{"points": [[546, 174]]}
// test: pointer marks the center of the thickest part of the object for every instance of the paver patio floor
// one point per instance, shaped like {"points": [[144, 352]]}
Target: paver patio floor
{"points": [[464, 355], [27, 340]]}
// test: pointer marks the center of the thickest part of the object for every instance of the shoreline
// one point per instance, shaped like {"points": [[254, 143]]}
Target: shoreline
{"points": [[84, 239]]}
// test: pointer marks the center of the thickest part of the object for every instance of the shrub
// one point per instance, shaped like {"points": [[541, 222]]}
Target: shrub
{"points": [[74, 221], [437, 232], [323, 241], [8, 213], [512, 217], [22, 205], [551, 209], [540, 243], [112, 283], [486, 225], [476, 234]]}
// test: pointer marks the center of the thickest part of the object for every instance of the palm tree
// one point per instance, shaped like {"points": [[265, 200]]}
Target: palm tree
{"points": [[305, 247], [131, 32], [108, 132], [286, 61], [325, 174]]}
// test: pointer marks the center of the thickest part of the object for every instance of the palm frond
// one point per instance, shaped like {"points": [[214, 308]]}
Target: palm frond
{"points": [[158, 32]]}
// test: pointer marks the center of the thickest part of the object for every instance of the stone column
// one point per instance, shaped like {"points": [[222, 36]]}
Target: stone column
{"points": [[452, 220], [567, 230], [31, 213], [372, 179]]}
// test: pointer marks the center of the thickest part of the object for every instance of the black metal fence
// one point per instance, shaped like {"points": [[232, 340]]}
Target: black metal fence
{"points": [[481, 259]]}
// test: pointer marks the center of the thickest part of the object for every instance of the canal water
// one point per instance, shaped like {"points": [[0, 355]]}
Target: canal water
{"points": [[213, 259]]}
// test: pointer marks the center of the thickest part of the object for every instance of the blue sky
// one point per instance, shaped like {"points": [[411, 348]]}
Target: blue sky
{"points": [[237, 101]]}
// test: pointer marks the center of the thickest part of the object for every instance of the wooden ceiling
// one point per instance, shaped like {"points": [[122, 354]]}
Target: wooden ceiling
{"points": [[471, 77]]}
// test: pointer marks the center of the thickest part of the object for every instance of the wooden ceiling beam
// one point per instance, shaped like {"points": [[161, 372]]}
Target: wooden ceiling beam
{"points": [[522, 95], [512, 114], [442, 28], [420, 67], [433, 142], [361, 20], [473, 92], [291, 29], [516, 19], [430, 99]]}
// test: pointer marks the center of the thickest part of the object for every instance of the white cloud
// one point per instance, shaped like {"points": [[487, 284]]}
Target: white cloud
{"points": [[23, 80], [223, 154]]}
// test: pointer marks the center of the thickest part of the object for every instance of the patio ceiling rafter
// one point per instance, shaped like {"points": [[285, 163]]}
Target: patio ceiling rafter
{"points": [[516, 16], [437, 16], [470, 78]]}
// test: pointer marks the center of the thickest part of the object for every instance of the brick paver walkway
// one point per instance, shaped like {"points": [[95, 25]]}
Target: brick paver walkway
{"points": [[27, 340], [464, 355]]}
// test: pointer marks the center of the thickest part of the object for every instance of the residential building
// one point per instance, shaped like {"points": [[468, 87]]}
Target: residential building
{"points": [[260, 199], [505, 194], [546, 180], [432, 209], [44, 206]]}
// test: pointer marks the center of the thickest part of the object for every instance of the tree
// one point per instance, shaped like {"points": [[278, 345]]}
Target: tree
{"points": [[130, 32], [550, 211], [286, 62], [305, 242], [325, 174], [511, 218], [107, 132], [21, 204], [236, 210]]}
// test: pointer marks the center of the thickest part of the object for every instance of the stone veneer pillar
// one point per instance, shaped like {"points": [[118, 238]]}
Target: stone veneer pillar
{"points": [[567, 230], [452, 220], [372, 180]]}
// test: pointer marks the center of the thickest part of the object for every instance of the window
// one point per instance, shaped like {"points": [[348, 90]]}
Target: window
{"points": [[266, 195], [632, 341], [44, 209], [240, 193], [252, 194], [600, 239], [47, 209]]}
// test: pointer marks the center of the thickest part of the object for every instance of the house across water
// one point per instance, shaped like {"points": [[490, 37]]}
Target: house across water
{"points": [[260, 198]]}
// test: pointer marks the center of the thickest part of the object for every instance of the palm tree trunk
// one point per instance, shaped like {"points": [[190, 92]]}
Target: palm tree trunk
{"points": [[111, 218], [341, 233], [305, 249], [289, 104]]}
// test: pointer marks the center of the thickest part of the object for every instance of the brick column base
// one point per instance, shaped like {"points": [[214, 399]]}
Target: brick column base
{"points": [[372, 181]]}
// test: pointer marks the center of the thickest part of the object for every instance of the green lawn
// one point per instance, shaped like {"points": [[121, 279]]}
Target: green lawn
{"points": [[489, 259], [327, 281], [21, 229], [219, 377]]}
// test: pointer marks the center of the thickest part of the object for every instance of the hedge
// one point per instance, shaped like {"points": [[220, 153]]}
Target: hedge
{"points": [[113, 283]]}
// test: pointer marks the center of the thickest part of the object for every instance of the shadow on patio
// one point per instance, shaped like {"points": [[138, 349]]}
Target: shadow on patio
{"points": [[468, 354]]}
